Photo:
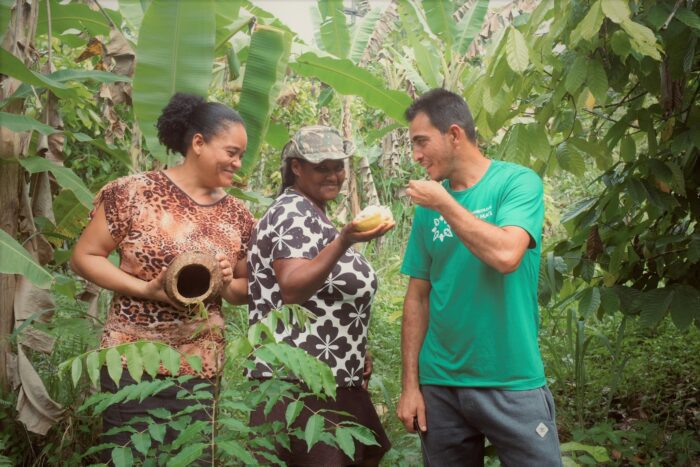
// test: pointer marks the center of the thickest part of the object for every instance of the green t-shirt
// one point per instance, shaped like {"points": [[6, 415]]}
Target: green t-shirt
{"points": [[483, 325]]}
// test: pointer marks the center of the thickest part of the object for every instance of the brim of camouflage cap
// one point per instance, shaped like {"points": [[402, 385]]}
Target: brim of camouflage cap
{"points": [[318, 157]]}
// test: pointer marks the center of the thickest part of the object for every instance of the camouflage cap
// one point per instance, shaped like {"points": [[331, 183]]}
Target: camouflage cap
{"points": [[317, 143]]}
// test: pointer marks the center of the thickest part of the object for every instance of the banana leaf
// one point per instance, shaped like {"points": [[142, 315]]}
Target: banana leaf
{"points": [[15, 259], [64, 176], [175, 53], [362, 33], [71, 16], [349, 79], [470, 25], [335, 37], [265, 67]]}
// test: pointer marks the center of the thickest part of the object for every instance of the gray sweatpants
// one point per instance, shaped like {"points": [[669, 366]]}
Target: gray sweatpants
{"points": [[519, 424]]}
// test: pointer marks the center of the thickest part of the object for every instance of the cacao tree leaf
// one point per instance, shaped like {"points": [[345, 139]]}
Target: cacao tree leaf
{"points": [[685, 306], [637, 191], [616, 10], [578, 208], [642, 38], [688, 17], [15, 259], [620, 44], [654, 305], [609, 300], [628, 149], [516, 51], [597, 81], [589, 25], [589, 302], [76, 370], [570, 160], [576, 75]]}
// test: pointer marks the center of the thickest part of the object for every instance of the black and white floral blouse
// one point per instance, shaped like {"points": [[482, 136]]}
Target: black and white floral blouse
{"points": [[294, 227]]}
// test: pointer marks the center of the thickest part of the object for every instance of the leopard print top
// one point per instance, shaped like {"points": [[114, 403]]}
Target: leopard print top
{"points": [[153, 220]]}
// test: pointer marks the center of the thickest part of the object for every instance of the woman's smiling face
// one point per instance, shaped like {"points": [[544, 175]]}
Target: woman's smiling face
{"points": [[220, 157], [319, 182]]}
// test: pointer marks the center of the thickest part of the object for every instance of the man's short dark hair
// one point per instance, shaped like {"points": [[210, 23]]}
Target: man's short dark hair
{"points": [[444, 108]]}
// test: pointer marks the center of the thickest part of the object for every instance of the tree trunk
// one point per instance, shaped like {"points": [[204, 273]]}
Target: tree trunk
{"points": [[19, 41]]}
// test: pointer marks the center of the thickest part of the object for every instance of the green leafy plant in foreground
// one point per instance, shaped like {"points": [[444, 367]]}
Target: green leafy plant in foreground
{"points": [[226, 435]]}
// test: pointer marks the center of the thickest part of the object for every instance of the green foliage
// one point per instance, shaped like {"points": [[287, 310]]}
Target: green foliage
{"points": [[175, 53], [19, 123], [266, 64], [335, 38], [12, 66], [14, 259], [599, 97], [64, 176], [348, 79], [71, 16]]}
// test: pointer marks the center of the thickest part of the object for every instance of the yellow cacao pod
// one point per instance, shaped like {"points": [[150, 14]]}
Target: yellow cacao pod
{"points": [[371, 216]]}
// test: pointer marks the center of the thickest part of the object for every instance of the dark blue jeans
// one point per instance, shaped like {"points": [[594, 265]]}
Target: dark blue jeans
{"points": [[519, 424]]}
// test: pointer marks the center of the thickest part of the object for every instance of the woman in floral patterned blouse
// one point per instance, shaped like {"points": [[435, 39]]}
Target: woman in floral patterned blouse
{"points": [[150, 218], [297, 256]]}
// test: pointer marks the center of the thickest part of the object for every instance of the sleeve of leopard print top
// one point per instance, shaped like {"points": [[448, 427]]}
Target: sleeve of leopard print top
{"points": [[247, 223], [117, 199]]}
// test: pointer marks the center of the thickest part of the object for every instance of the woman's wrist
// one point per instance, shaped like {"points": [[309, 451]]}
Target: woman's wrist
{"points": [[344, 239]]}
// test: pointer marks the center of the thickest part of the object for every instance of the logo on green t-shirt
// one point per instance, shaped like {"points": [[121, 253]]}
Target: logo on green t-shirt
{"points": [[441, 229]]}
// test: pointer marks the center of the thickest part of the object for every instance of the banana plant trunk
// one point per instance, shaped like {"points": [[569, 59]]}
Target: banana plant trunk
{"points": [[19, 41]]}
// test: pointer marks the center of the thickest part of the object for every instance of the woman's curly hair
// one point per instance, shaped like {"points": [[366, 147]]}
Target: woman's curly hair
{"points": [[188, 114]]}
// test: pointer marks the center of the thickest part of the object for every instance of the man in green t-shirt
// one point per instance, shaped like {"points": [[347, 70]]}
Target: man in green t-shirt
{"points": [[471, 361]]}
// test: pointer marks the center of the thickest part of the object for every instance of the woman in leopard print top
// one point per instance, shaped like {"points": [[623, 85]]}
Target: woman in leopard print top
{"points": [[152, 217]]}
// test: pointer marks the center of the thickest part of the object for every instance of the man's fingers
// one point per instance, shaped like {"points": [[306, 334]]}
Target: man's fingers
{"points": [[422, 424], [406, 418]]}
